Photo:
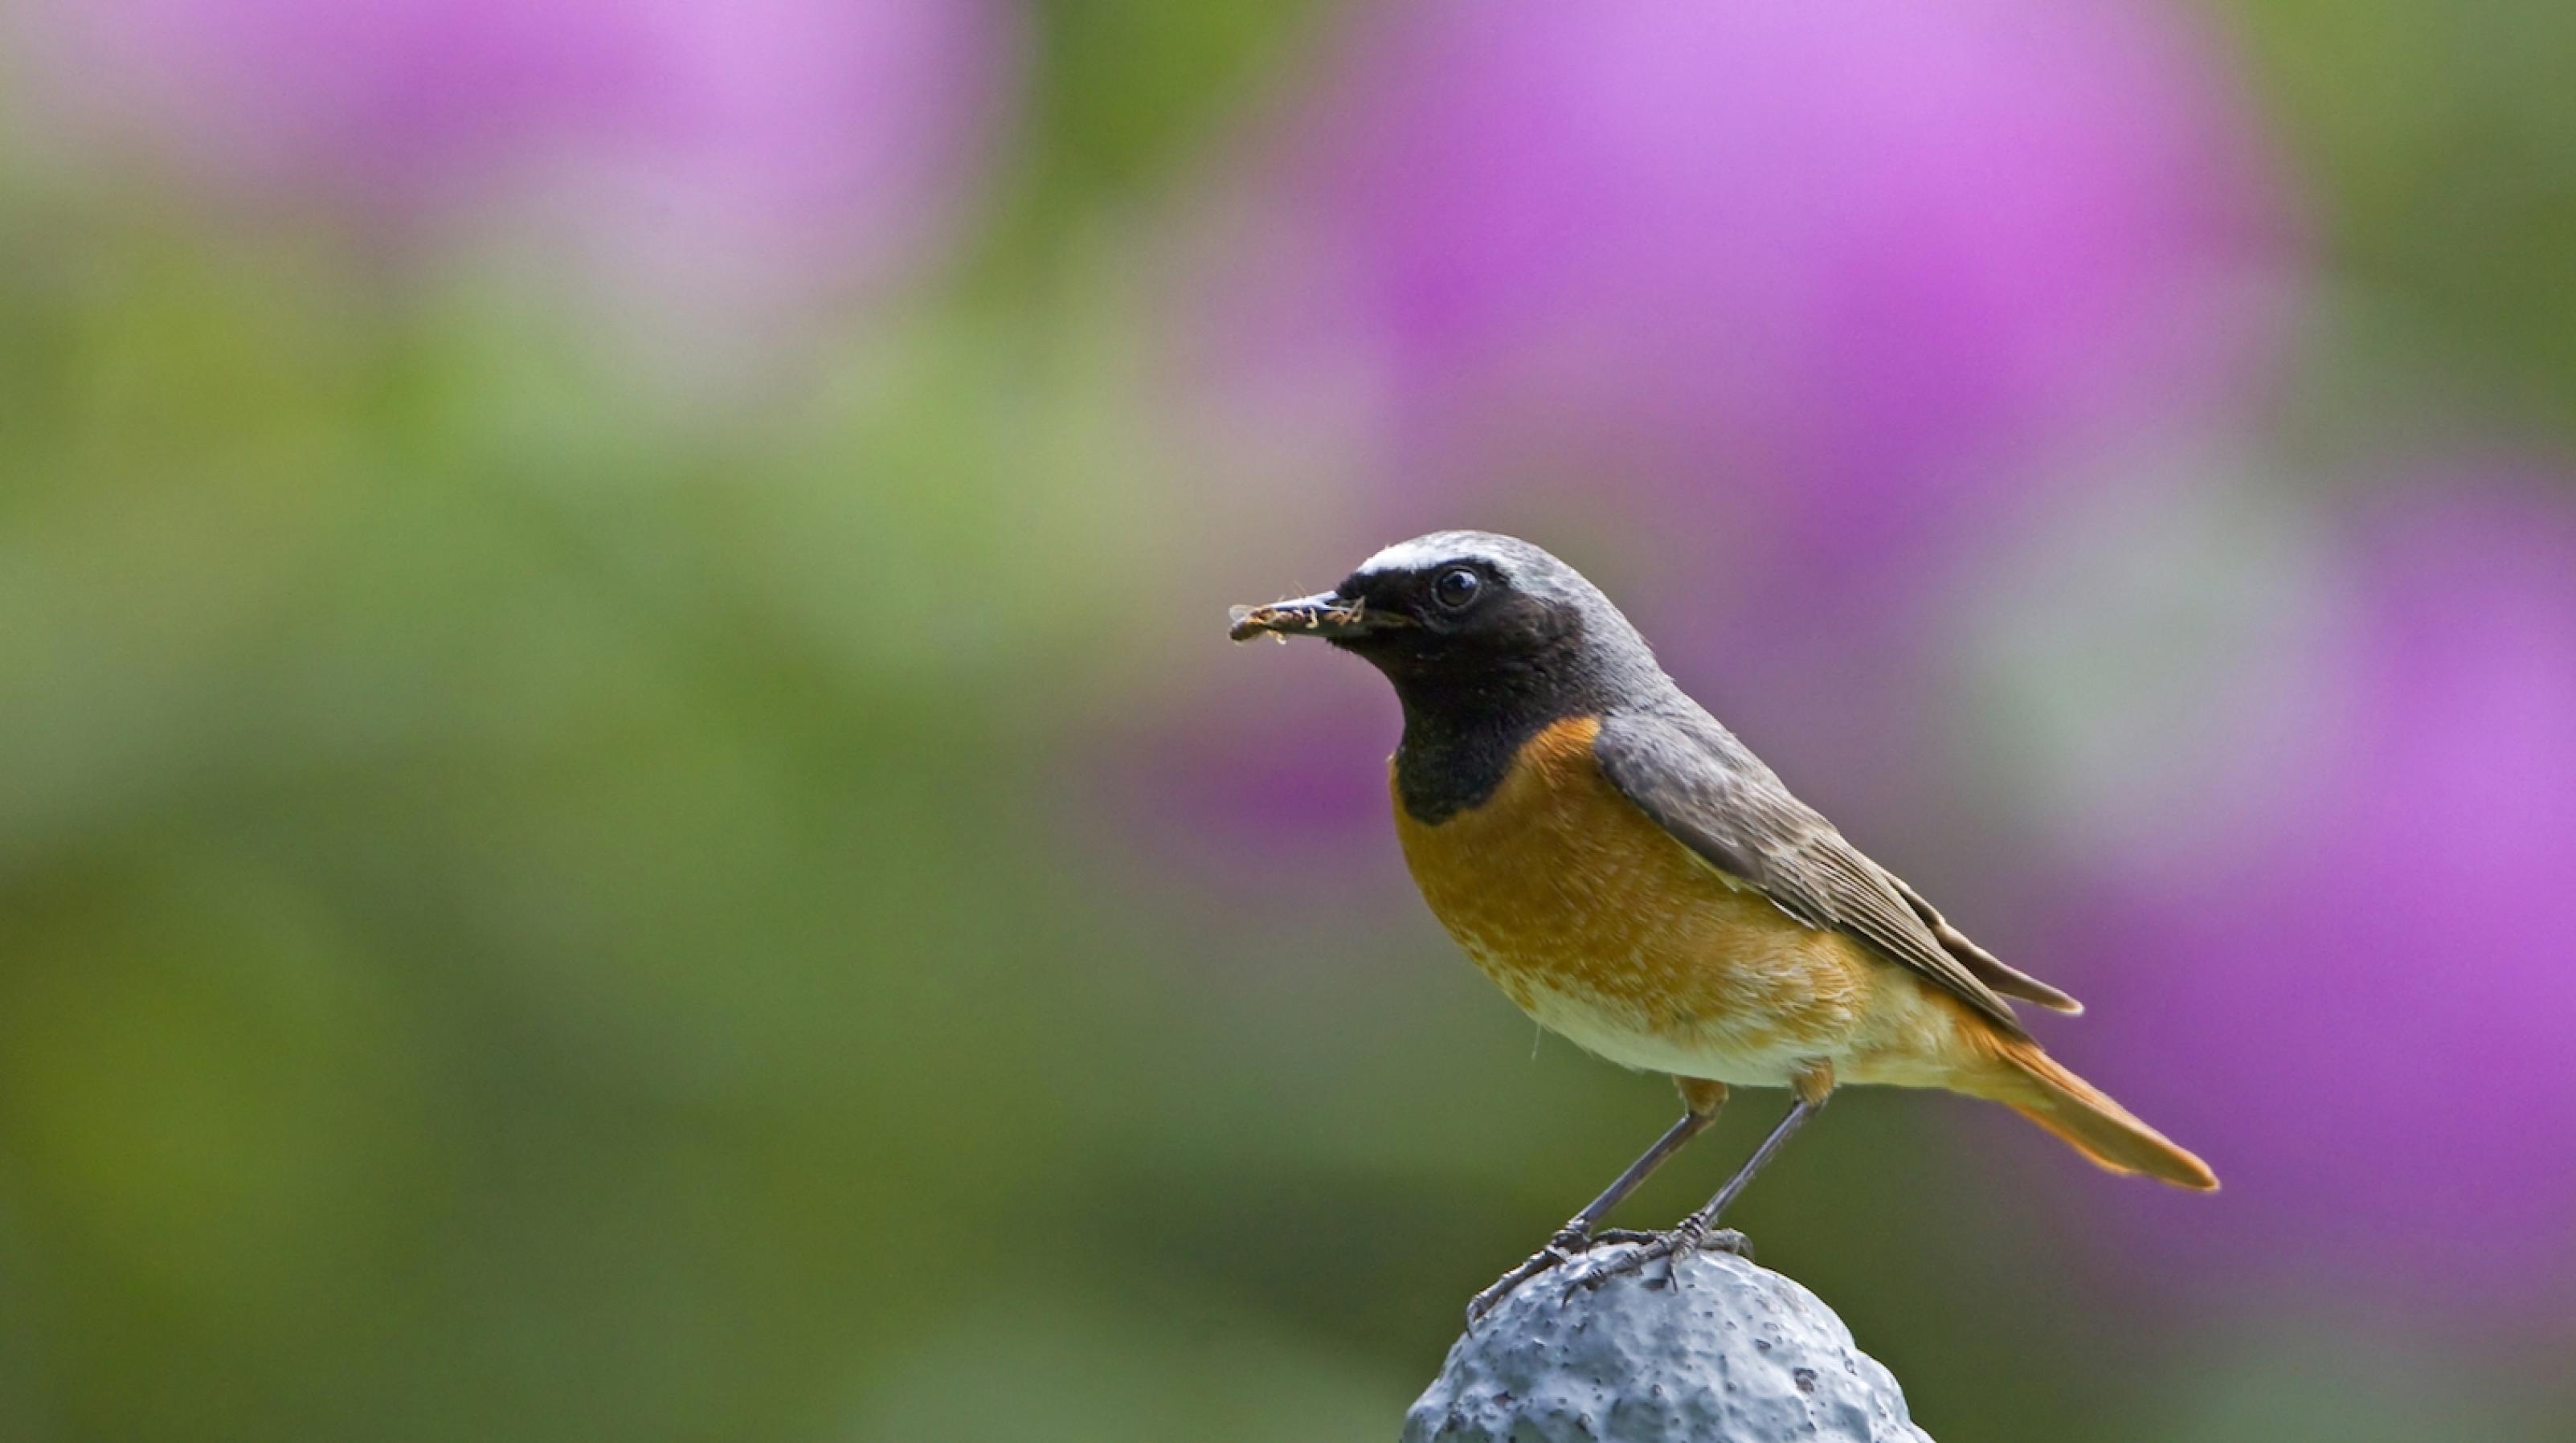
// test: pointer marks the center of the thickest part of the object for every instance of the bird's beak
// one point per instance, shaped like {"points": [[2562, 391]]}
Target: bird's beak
{"points": [[1326, 614]]}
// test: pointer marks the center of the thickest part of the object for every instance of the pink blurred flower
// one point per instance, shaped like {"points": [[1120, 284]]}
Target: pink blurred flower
{"points": [[1793, 304], [1841, 270], [2363, 1017], [1259, 774], [834, 129]]}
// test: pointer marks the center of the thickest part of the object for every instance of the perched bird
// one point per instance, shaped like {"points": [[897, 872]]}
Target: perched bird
{"points": [[1637, 880]]}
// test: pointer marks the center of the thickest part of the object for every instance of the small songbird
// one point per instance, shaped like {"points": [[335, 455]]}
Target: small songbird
{"points": [[1637, 880]]}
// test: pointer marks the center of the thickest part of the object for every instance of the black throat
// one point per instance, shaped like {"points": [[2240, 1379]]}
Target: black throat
{"points": [[1465, 726]]}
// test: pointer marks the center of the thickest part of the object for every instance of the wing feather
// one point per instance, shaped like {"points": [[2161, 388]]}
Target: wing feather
{"points": [[1990, 969], [1713, 795]]}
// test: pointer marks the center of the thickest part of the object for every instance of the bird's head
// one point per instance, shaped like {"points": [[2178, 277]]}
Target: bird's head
{"points": [[1459, 614]]}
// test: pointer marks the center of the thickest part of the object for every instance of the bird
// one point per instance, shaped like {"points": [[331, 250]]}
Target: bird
{"points": [[1634, 878]]}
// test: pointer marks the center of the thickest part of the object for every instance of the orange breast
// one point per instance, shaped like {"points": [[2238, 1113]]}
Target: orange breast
{"points": [[1605, 928]]}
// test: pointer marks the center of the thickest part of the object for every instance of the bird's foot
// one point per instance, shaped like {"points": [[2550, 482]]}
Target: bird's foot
{"points": [[1569, 1243], [1692, 1235]]}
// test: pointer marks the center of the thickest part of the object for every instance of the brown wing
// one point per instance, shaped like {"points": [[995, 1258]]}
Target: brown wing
{"points": [[1990, 969], [1712, 794]]}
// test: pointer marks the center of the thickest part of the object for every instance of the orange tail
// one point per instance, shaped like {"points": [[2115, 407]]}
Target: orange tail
{"points": [[2040, 1088]]}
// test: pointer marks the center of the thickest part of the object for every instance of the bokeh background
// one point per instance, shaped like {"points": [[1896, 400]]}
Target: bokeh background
{"points": [[624, 813]]}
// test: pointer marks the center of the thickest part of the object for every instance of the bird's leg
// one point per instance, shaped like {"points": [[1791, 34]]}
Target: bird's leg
{"points": [[1700, 1102], [1700, 1230]]}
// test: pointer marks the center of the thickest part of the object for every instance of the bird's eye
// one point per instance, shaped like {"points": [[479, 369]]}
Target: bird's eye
{"points": [[1455, 587]]}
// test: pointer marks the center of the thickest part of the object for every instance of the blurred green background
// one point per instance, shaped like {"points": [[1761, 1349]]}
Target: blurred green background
{"points": [[623, 812]]}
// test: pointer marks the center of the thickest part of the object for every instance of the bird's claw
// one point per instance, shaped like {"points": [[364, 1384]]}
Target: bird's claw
{"points": [[1690, 1237], [1565, 1247]]}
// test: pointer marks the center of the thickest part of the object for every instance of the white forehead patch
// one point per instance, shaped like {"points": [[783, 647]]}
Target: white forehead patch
{"points": [[1422, 553]]}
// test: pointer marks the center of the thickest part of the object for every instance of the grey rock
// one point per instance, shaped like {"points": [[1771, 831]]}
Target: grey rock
{"points": [[1737, 1354]]}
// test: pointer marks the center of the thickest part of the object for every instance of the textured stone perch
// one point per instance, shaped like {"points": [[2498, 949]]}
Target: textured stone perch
{"points": [[1742, 1355]]}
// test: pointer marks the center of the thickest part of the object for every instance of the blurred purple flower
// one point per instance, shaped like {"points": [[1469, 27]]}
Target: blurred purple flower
{"points": [[830, 129], [2363, 1016], [1792, 304], [1262, 777], [1835, 271]]}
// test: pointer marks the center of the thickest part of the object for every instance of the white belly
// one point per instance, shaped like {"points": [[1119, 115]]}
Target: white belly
{"points": [[1708, 1050]]}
